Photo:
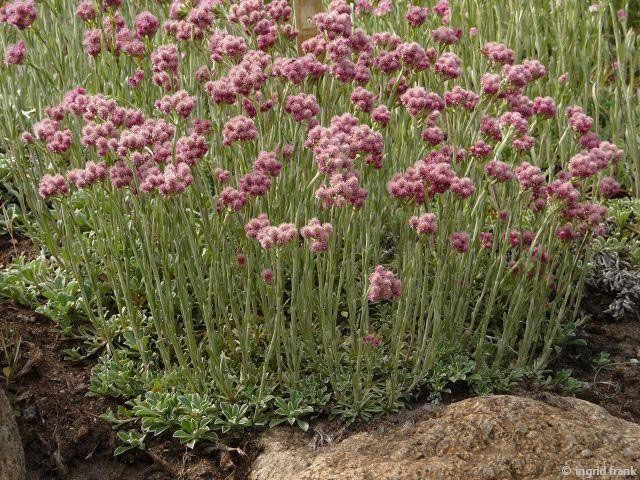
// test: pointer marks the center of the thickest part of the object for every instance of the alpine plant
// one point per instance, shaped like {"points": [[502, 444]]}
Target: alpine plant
{"points": [[334, 218]]}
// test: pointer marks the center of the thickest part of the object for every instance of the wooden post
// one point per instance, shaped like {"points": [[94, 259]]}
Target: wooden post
{"points": [[305, 10]]}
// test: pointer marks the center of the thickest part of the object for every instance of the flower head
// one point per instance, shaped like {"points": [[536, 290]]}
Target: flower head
{"points": [[383, 285]]}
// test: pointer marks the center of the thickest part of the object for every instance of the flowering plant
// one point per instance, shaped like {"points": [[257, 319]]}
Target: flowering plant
{"points": [[400, 190]]}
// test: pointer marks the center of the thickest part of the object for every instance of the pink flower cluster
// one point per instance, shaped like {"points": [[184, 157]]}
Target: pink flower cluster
{"points": [[20, 13], [268, 236], [425, 224], [87, 176], [51, 185], [180, 102], [148, 158], [318, 233], [418, 101], [335, 149], [383, 285], [15, 53], [302, 107], [239, 129]]}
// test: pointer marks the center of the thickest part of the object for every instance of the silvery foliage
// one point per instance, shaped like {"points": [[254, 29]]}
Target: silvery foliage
{"points": [[619, 277]]}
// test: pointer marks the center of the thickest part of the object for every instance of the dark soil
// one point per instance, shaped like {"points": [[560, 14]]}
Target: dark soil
{"points": [[12, 246], [616, 385], [60, 426]]}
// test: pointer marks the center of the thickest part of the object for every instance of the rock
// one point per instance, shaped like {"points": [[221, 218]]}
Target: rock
{"points": [[494, 437], [11, 452]]}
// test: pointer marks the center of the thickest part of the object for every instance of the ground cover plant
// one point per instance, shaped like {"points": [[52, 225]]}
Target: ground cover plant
{"points": [[258, 230]]}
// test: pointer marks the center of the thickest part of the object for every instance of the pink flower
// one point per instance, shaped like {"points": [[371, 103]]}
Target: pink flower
{"points": [[622, 14], [563, 190], [498, 53], [254, 183], [388, 62], [302, 107], [529, 176], [221, 176], [463, 187], [416, 16], [21, 13], [135, 79], [381, 115], [459, 241], [363, 99], [201, 126], [15, 53], [344, 188], [480, 149], [490, 83], [448, 65], [60, 141], [363, 6], [51, 185], [516, 120], [372, 341], [175, 179], [120, 175], [490, 127], [190, 149], [545, 106], [443, 11], [146, 24], [446, 35], [425, 224], [566, 232], [203, 74], [383, 285], [609, 188], [239, 129], [319, 233], [334, 24], [86, 10], [578, 120], [222, 91], [180, 102], [279, 10], [92, 42], [414, 56], [165, 59], [499, 170], [267, 275], [524, 143], [417, 100], [582, 165], [590, 140], [270, 236], [233, 199], [486, 240], [433, 135], [383, 8], [458, 96]]}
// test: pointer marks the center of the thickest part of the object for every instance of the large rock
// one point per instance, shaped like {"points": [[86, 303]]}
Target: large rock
{"points": [[495, 437], [11, 452]]}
